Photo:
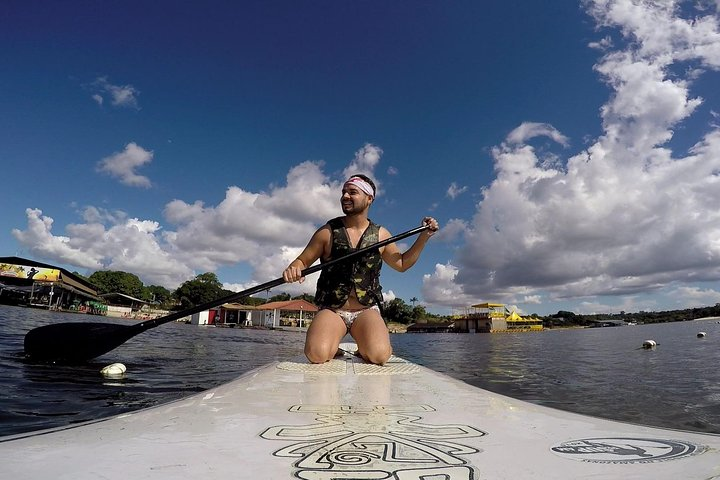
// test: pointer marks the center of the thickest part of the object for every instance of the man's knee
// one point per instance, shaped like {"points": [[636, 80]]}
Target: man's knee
{"points": [[318, 354], [378, 356]]}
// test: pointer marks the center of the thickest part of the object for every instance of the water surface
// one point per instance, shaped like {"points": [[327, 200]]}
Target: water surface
{"points": [[601, 372]]}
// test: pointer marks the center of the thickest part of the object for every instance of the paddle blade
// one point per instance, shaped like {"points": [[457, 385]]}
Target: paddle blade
{"points": [[75, 342]]}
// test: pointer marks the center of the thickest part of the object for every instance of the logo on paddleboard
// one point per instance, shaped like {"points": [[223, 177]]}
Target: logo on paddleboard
{"points": [[390, 442], [626, 450]]}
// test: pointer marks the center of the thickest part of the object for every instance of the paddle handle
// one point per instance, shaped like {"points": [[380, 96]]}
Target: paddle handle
{"points": [[142, 326]]}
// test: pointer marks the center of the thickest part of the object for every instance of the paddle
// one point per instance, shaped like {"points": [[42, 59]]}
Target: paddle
{"points": [[79, 342]]}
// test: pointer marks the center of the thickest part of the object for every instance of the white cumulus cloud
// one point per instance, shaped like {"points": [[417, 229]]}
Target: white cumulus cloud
{"points": [[194, 237], [123, 165], [41, 242], [119, 95], [627, 214], [454, 190]]}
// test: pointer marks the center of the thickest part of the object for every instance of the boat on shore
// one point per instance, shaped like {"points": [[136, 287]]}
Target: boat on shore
{"points": [[347, 419]]}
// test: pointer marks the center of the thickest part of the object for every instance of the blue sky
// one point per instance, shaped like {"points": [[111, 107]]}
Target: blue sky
{"points": [[570, 150]]}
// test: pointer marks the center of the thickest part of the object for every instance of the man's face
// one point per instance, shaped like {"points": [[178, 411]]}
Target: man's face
{"points": [[353, 199]]}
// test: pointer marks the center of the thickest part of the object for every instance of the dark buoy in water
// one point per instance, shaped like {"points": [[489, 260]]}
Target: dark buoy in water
{"points": [[701, 334], [648, 344]]}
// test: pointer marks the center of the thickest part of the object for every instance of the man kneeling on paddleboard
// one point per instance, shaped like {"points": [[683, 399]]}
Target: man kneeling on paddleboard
{"points": [[349, 293]]}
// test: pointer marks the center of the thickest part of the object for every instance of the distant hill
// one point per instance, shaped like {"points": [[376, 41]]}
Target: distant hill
{"points": [[564, 318]]}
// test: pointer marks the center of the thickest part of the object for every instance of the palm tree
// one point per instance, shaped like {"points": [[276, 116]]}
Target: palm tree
{"points": [[413, 300]]}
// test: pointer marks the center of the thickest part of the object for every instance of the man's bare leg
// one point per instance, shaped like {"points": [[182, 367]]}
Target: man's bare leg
{"points": [[323, 336], [372, 337]]}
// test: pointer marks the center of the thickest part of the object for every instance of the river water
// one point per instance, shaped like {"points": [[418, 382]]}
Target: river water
{"points": [[602, 372]]}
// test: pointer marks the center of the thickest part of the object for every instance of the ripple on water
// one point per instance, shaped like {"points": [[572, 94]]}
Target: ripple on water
{"points": [[600, 372]]}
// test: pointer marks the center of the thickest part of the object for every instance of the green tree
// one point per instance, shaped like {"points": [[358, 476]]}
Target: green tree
{"points": [[204, 288], [81, 276], [396, 310], [254, 301], [305, 296], [280, 297], [109, 281], [156, 293], [419, 313]]}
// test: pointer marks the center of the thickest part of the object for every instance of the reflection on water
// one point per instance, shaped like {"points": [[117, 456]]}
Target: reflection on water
{"points": [[163, 364], [601, 372]]}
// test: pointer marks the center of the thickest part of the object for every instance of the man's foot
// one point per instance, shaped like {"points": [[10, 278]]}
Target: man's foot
{"points": [[354, 353]]}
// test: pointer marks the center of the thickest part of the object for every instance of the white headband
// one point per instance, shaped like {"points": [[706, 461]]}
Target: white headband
{"points": [[362, 185]]}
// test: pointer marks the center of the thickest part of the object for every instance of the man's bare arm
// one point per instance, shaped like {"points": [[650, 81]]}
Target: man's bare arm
{"points": [[316, 248], [403, 261]]}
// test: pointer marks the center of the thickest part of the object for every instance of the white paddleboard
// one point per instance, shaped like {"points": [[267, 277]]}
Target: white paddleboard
{"points": [[350, 420]]}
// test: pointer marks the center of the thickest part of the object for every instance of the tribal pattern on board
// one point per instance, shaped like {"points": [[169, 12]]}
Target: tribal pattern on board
{"points": [[381, 442]]}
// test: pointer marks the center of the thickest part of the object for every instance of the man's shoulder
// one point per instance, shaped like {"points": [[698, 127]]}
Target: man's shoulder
{"points": [[324, 230], [375, 225], [335, 223], [383, 233]]}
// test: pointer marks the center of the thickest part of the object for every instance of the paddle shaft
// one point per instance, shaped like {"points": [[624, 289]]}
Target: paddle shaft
{"points": [[146, 325]]}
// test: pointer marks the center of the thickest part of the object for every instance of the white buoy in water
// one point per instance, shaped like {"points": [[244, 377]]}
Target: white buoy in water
{"points": [[114, 370], [649, 344], [701, 334]]}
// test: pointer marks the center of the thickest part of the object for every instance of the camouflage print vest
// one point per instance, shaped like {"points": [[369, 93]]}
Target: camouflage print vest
{"points": [[337, 281]]}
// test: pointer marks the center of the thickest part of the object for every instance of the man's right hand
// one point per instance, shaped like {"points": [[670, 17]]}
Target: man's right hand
{"points": [[293, 273]]}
